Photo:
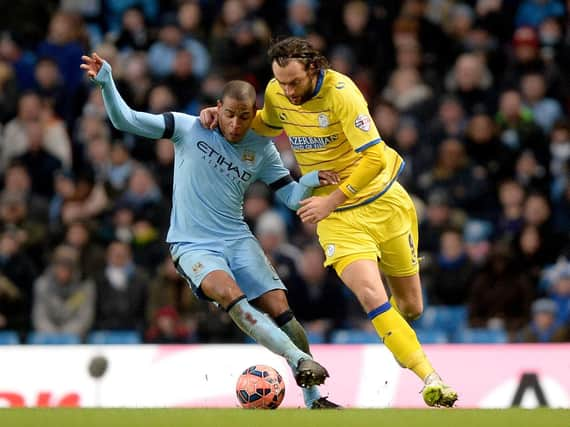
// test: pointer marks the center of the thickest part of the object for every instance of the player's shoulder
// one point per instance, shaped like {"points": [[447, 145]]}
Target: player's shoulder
{"points": [[336, 84], [272, 87]]}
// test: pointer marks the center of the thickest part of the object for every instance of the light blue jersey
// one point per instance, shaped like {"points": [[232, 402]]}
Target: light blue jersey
{"points": [[211, 176]]}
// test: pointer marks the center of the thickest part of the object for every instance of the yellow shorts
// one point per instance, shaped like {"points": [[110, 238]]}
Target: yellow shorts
{"points": [[385, 230]]}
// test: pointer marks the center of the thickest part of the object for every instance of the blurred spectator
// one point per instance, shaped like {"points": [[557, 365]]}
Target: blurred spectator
{"points": [[409, 93], [416, 151], [501, 294], [64, 45], [15, 139], [450, 121], [511, 199], [544, 327], [317, 299], [142, 196], [182, 82], [485, 148], [8, 91], [271, 232], [472, 83], [300, 18], [169, 288], [14, 217], [387, 118], [18, 181], [163, 167], [531, 173], [134, 33], [78, 235], [533, 12], [171, 39], [545, 111], [454, 175], [40, 164], [115, 11], [88, 201], [121, 291], [167, 328], [518, 131], [63, 302], [477, 236], [257, 201], [448, 276], [17, 274], [532, 252], [438, 217], [556, 282]]}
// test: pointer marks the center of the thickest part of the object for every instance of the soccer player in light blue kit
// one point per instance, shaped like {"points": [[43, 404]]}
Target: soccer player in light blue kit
{"points": [[210, 243]]}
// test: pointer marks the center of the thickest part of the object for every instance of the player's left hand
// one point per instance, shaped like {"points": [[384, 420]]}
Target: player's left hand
{"points": [[314, 209], [328, 177]]}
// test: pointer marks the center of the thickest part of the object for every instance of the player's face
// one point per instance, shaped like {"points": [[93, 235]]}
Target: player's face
{"points": [[235, 118], [297, 82]]}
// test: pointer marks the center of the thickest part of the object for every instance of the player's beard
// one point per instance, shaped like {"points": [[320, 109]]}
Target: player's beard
{"points": [[305, 95]]}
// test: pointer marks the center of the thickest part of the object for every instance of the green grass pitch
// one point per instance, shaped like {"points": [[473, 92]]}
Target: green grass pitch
{"points": [[59, 417]]}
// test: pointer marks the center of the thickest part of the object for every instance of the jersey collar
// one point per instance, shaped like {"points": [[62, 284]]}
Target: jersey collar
{"points": [[319, 84]]}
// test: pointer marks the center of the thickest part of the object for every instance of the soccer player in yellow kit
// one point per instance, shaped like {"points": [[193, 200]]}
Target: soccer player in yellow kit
{"points": [[368, 223]]}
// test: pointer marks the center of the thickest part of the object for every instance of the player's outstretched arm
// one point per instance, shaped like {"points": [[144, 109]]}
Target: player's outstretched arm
{"points": [[122, 116], [292, 193]]}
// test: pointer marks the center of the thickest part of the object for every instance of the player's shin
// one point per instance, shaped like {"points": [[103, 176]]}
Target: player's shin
{"points": [[258, 326], [296, 332], [401, 339]]}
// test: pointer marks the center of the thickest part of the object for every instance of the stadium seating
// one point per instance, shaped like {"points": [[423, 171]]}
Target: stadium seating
{"points": [[432, 336], [448, 318], [9, 338], [114, 337], [480, 336], [354, 336], [50, 338]]}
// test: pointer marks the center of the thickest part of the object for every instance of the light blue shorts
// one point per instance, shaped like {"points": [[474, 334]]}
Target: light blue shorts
{"points": [[242, 259]]}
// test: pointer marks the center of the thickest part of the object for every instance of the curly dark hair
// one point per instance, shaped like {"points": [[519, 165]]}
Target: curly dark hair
{"points": [[296, 49]]}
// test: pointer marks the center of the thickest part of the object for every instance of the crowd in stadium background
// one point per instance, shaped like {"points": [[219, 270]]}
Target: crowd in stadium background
{"points": [[473, 94]]}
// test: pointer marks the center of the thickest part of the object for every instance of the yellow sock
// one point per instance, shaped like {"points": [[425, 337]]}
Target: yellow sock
{"points": [[401, 339], [395, 307]]}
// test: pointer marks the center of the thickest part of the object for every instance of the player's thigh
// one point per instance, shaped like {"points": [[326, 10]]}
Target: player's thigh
{"points": [[251, 268], [363, 278], [274, 303], [345, 239], [195, 265]]}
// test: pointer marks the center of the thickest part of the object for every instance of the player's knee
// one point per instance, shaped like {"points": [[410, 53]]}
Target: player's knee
{"points": [[369, 292], [411, 310], [222, 292]]}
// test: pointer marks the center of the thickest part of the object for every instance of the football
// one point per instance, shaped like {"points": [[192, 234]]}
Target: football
{"points": [[260, 387]]}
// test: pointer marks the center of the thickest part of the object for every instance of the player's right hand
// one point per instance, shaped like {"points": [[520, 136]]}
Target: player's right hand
{"points": [[92, 64], [209, 117], [328, 177]]}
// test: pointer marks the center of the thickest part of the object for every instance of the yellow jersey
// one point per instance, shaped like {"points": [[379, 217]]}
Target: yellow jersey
{"points": [[329, 132]]}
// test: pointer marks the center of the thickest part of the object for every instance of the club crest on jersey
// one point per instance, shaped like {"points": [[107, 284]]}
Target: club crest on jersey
{"points": [[248, 156], [362, 122], [323, 120], [196, 268], [330, 250]]}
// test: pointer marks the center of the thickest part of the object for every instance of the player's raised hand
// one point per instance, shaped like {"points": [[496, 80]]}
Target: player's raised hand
{"points": [[209, 117], [91, 64], [328, 177]]}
